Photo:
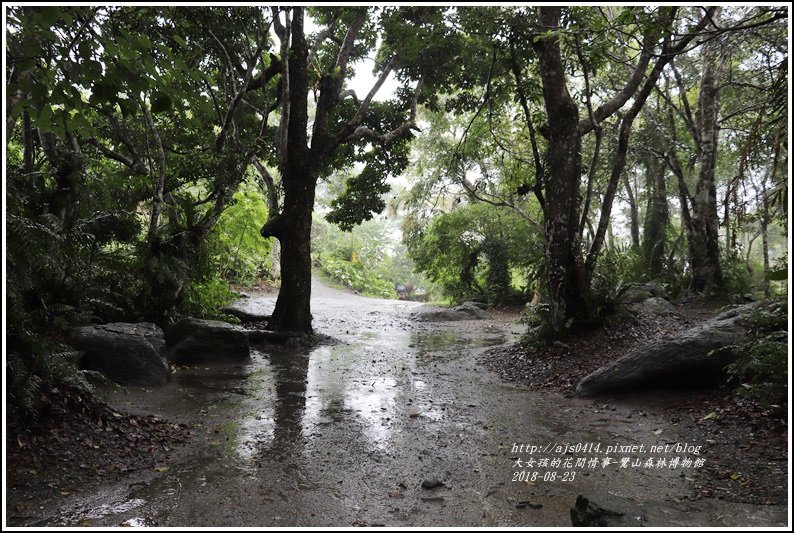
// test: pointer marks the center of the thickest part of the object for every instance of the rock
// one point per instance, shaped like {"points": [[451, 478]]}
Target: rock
{"points": [[587, 514], [639, 292], [528, 505], [479, 305], [193, 340], [680, 360], [465, 311], [130, 354], [472, 310], [244, 315], [654, 306], [264, 335], [431, 484]]}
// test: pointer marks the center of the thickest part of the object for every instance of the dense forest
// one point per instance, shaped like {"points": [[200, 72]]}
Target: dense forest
{"points": [[158, 159]]}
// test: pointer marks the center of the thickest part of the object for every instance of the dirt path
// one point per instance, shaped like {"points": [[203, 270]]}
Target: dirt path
{"points": [[346, 434]]}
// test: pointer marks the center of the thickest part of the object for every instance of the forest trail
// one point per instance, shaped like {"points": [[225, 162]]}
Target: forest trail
{"points": [[345, 434]]}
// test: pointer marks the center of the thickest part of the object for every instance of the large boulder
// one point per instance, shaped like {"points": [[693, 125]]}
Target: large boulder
{"points": [[654, 306], [684, 359], [465, 311], [193, 340], [131, 354], [246, 315], [639, 292]]}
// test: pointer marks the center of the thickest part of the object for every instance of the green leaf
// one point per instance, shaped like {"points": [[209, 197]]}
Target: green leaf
{"points": [[111, 48], [85, 49], [137, 83], [49, 15], [128, 107], [38, 91], [142, 43], [161, 102], [92, 70], [44, 120], [180, 41], [778, 275], [103, 91]]}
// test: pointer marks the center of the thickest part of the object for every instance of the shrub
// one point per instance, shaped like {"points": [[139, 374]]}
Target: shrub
{"points": [[762, 367], [204, 299]]}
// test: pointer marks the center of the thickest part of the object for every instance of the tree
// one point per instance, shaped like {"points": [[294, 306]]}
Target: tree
{"points": [[345, 129]]}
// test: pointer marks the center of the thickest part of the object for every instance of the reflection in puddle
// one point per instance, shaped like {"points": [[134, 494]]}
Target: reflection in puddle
{"points": [[292, 395]]}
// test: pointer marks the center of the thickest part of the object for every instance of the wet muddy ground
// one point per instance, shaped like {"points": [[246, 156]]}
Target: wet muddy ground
{"points": [[346, 434]]}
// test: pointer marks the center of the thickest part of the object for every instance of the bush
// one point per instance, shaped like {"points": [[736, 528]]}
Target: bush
{"points": [[762, 367], [238, 252], [478, 250], [617, 268], [537, 320], [204, 299], [366, 259], [737, 281]]}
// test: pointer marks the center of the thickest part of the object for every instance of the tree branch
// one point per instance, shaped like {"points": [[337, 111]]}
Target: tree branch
{"points": [[134, 165], [270, 187], [219, 141], [346, 49], [363, 106], [616, 102], [363, 131]]}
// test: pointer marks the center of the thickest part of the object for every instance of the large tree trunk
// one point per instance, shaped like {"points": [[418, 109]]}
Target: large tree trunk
{"points": [[656, 217], [293, 230], [565, 280], [292, 227], [705, 221], [633, 211], [765, 236]]}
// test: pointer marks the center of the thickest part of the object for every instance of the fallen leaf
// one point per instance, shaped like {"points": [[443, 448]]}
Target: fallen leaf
{"points": [[161, 469], [20, 442], [414, 415], [65, 493], [657, 431], [709, 416]]}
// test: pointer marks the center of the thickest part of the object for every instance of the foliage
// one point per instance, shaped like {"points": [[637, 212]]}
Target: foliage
{"points": [[737, 281], [204, 299], [617, 268], [472, 250], [537, 319], [762, 367], [356, 276], [368, 259], [239, 253], [114, 175]]}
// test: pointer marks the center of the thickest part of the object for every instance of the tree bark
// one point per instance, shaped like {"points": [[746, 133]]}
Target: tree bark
{"points": [[565, 280], [634, 212], [705, 260], [292, 227], [293, 310], [656, 217], [765, 237]]}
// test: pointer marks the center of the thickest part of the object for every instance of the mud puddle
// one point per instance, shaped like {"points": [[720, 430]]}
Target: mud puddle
{"points": [[346, 434]]}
